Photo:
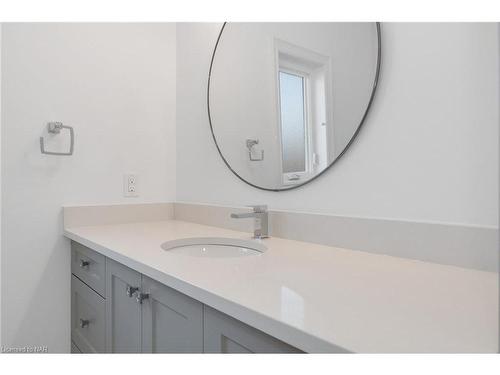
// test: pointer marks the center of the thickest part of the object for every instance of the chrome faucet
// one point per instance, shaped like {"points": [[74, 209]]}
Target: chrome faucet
{"points": [[261, 222]]}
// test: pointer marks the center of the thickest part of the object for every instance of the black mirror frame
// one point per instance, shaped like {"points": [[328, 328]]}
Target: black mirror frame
{"points": [[372, 96]]}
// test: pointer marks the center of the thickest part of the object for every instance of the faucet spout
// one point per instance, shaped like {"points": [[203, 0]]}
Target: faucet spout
{"points": [[260, 216]]}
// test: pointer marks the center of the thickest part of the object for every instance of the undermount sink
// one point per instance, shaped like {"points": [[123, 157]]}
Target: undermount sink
{"points": [[214, 247]]}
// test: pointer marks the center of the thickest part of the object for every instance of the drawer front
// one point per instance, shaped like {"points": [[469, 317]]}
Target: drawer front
{"points": [[89, 266], [88, 314]]}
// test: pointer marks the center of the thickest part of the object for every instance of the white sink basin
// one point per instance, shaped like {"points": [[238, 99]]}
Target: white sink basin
{"points": [[213, 247]]}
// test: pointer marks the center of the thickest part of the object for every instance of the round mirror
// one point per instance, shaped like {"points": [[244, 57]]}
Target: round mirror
{"points": [[286, 100]]}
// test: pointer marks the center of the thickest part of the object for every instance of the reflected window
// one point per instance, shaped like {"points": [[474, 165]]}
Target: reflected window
{"points": [[302, 111], [293, 122]]}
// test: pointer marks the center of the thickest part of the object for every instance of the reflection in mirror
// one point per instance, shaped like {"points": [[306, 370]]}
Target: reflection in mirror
{"points": [[294, 135], [286, 99]]}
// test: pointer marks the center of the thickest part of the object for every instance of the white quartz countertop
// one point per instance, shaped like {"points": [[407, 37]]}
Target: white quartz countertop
{"points": [[314, 297]]}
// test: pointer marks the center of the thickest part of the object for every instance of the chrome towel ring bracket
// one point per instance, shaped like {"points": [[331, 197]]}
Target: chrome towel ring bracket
{"points": [[250, 143], [55, 128]]}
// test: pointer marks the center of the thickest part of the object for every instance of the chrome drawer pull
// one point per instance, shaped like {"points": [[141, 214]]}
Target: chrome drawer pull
{"points": [[84, 323], [84, 263], [131, 290]]}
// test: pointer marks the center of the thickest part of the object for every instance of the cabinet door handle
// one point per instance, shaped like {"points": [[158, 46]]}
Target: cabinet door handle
{"points": [[84, 323], [84, 263], [131, 290], [141, 297]]}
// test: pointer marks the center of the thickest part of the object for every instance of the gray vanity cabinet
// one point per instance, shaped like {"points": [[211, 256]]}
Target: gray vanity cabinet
{"points": [[115, 309], [171, 321], [223, 334], [123, 313]]}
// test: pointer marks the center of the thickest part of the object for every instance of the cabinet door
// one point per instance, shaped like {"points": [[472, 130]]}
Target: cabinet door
{"points": [[223, 334], [171, 321], [123, 312]]}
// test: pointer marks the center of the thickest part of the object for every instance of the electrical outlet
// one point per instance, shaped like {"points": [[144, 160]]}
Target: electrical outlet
{"points": [[130, 185]]}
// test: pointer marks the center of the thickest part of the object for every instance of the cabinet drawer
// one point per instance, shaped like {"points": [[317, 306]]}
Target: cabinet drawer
{"points": [[224, 334], [89, 266], [88, 313]]}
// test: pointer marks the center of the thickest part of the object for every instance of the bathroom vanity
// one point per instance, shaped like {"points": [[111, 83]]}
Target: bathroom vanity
{"points": [[131, 295], [115, 309]]}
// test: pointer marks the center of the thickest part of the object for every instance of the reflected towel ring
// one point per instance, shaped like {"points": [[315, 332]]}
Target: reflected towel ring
{"points": [[250, 144], [55, 128]]}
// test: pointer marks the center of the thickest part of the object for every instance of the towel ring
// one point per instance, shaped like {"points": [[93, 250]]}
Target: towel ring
{"points": [[250, 143], [55, 128]]}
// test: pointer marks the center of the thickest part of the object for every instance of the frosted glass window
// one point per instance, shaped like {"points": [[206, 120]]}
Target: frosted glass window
{"points": [[293, 130]]}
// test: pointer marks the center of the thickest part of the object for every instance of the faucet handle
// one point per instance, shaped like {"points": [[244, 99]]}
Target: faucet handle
{"points": [[259, 208]]}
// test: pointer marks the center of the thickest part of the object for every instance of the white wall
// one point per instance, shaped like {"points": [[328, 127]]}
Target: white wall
{"points": [[428, 151], [116, 85]]}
